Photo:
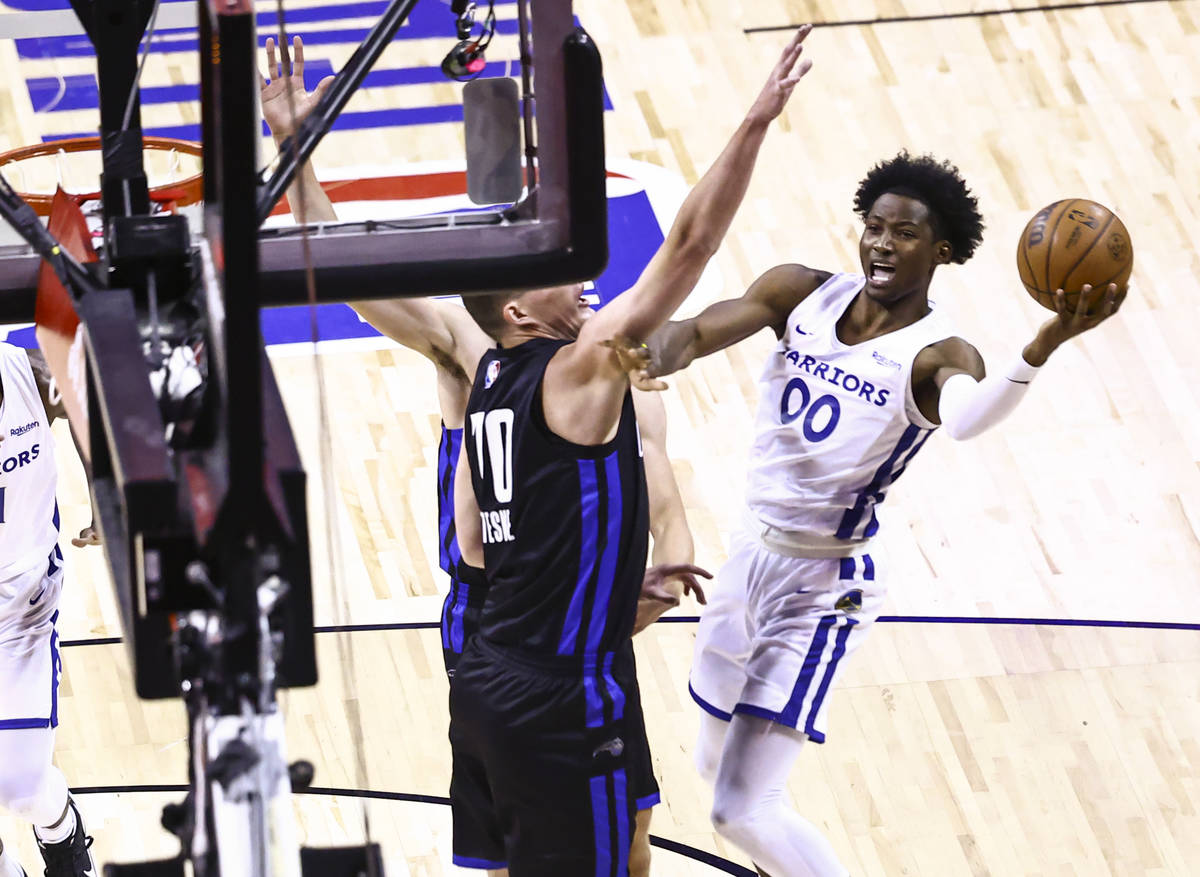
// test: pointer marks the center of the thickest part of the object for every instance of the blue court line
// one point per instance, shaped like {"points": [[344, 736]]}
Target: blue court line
{"points": [[82, 92], [186, 40], [350, 120], [347, 10], [682, 849], [694, 619], [999, 621], [79, 46]]}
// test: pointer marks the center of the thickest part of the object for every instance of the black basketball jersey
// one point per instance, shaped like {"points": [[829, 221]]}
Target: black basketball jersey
{"points": [[565, 526]]}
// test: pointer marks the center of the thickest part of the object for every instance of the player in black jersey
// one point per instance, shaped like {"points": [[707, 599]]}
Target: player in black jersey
{"points": [[446, 334], [551, 499]]}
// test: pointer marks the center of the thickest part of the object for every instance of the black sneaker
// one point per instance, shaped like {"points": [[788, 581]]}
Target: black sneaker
{"points": [[69, 858]]}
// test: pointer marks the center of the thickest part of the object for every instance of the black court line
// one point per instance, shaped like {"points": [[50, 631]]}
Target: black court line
{"points": [[947, 16], [694, 619], [706, 858]]}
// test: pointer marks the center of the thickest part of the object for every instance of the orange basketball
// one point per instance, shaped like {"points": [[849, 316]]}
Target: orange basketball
{"points": [[1070, 243]]}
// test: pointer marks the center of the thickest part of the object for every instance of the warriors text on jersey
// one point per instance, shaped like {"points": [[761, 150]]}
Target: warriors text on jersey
{"points": [[836, 423], [565, 527], [28, 476]]}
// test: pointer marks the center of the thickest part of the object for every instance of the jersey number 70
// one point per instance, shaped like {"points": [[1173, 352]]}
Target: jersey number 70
{"points": [[498, 425]]}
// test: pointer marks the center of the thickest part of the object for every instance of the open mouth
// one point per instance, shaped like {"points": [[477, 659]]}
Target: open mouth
{"points": [[882, 272]]}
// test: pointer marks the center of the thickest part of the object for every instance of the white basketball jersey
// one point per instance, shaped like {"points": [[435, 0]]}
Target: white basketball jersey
{"points": [[836, 422], [28, 475]]}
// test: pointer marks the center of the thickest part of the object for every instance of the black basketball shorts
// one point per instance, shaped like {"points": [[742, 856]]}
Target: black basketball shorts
{"points": [[550, 762]]}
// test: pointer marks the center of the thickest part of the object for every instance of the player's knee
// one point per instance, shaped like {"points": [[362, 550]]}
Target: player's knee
{"points": [[731, 818], [17, 787], [24, 798], [34, 794], [707, 764], [737, 811]]}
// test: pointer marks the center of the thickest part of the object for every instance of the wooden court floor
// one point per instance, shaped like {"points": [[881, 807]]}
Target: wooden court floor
{"points": [[964, 740]]}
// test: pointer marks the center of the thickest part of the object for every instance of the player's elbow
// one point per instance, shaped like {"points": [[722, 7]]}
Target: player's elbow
{"points": [[961, 430]]}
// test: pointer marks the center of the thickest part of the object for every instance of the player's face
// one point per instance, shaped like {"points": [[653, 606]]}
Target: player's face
{"points": [[898, 248], [561, 309]]}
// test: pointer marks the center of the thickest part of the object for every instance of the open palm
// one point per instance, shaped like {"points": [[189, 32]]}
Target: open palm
{"points": [[282, 89]]}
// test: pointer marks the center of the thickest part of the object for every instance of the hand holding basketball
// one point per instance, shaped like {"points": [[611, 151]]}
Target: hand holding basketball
{"points": [[1091, 307], [783, 79], [282, 90]]}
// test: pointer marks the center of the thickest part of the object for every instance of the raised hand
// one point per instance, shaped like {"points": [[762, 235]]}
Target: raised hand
{"points": [[282, 89], [1093, 307], [786, 73]]}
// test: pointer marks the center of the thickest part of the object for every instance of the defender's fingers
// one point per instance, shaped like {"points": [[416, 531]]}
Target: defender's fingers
{"points": [[272, 61], [298, 56], [792, 50], [691, 586], [669, 570], [804, 67], [285, 57]]}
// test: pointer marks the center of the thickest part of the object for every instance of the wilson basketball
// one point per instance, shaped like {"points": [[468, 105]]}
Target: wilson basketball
{"points": [[1070, 243]]}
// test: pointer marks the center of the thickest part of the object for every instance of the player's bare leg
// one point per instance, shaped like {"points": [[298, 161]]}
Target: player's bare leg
{"points": [[639, 851]]}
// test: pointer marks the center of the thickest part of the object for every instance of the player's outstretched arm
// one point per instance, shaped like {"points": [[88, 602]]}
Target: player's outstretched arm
{"points": [[673, 545], [586, 381], [704, 217], [442, 332], [950, 385], [282, 91], [766, 305]]}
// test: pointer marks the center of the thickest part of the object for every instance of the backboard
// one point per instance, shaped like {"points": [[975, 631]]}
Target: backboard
{"points": [[403, 118]]}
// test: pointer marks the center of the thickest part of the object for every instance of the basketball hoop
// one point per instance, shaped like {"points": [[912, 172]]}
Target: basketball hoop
{"points": [[173, 170]]}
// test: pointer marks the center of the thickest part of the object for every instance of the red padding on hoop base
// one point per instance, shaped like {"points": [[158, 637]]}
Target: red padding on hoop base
{"points": [[58, 331]]}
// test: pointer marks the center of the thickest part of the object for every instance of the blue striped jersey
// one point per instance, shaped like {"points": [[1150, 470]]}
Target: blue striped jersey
{"points": [[448, 448], [565, 527]]}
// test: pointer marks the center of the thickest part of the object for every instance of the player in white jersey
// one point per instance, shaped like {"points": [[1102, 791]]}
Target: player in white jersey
{"points": [[864, 371], [31, 573]]}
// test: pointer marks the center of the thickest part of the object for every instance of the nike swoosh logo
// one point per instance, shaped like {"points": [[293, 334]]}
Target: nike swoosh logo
{"points": [[33, 602]]}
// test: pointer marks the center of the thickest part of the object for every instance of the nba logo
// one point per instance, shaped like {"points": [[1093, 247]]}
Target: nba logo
{"points": [[493, 370]]}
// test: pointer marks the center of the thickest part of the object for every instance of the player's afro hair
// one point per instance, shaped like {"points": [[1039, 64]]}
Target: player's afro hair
{"points": [[936, 184]]}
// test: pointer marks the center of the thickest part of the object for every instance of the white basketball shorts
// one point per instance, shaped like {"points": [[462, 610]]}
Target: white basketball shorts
{"points": [[30, 665], [778, 629]]}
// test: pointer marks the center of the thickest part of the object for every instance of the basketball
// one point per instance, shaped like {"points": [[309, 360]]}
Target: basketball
{"points": [[1071, 243]]}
